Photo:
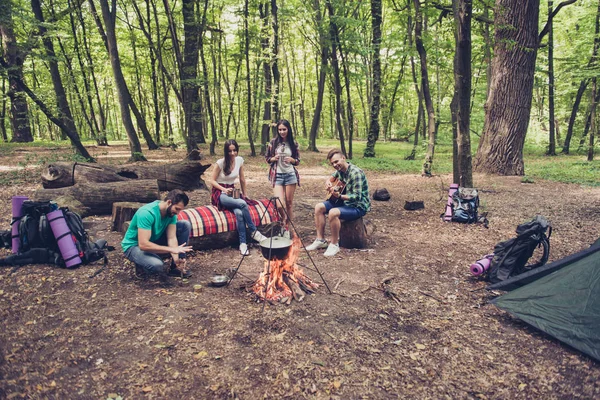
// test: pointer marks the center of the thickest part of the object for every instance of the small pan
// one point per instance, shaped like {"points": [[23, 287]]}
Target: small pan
{"points": [[218, 280]]}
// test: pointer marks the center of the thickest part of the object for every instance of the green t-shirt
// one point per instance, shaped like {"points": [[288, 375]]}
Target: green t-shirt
{"points": [[147, 217]]}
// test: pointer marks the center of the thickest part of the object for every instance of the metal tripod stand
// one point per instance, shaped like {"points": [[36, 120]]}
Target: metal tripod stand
{"points": [[273, 201]]}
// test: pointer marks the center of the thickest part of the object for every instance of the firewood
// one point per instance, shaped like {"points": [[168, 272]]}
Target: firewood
{"points": [[294, 287]]}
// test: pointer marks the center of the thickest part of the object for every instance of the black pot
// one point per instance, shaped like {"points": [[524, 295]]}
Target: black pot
{"points": [[219, 280], [275, 247]]}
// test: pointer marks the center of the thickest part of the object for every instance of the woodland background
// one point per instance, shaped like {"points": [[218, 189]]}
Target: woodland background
{"points": [[191, 72]]}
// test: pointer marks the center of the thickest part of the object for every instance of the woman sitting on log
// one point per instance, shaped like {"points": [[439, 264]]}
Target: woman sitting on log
{"points": [[283, 155], [224, 196]]}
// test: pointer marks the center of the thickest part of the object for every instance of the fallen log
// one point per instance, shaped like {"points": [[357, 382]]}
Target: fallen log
{"points": [[184, 175], [100, 198]]}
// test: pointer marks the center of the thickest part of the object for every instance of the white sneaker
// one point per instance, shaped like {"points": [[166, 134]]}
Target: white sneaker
{"points": [[244, 249], [332, 250], [259, 237], [317, 244], [286, 234]]}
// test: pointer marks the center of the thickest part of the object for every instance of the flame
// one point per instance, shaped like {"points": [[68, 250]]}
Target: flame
{"points": [[271, 284]]}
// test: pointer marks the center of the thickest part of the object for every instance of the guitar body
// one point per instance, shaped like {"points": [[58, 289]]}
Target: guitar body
{"points": [[337, 186]]}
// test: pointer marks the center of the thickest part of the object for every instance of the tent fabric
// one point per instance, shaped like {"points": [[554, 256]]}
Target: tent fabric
{"points": [[565, 304], [537, 273]]}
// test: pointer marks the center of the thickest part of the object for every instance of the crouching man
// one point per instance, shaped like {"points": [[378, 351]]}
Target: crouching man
{"points": [[154, 230], [348, 199]]}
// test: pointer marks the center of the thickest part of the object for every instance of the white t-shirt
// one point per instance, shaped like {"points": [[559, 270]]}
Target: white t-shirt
{"points": [[233, 175], [284, 150]]}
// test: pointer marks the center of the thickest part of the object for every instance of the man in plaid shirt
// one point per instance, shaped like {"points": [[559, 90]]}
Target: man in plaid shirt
{"points": [[348, 203]]}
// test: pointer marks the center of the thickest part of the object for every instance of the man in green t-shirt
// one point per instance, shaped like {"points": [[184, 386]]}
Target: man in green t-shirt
{"points": [[154, 230]]}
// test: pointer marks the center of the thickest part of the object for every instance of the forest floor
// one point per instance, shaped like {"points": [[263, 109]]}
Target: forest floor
{"points": [[66, 335]]}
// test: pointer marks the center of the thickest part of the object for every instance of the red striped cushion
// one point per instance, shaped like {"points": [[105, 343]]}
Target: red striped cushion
{"points": [[208, 220]]}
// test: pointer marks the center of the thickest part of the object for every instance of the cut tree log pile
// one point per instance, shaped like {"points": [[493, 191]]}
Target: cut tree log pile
{"points": [[122, 212], [100, 198], [184, 175]]}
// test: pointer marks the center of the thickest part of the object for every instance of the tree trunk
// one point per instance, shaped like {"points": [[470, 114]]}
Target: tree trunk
{"points": [[508, 106], [19, 111], [373, 136], [462, 90], [582, 86], [552, 131], [275, 58], [265, 133], [428, 163], [323, 47], [120, 84], [248, 72], [337, 86], [100, 202], [184, 175], [3, 112], [593, 124]]}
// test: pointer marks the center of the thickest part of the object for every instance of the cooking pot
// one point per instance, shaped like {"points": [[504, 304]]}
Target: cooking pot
{"points": [[275, 247]]}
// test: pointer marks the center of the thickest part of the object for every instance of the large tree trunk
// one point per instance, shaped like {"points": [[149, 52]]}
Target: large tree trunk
{"points": [[185, 175], [248, 72], [99, 202], [508, 106], [19, 112], [120, 84], [462, 91], [593, 120]]}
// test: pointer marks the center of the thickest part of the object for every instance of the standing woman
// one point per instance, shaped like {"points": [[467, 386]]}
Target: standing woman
{"points": [[226, 171], [283, 155]]}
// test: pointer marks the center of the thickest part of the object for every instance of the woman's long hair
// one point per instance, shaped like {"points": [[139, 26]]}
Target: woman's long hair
{"points": [[227, 164], [289, 139]]}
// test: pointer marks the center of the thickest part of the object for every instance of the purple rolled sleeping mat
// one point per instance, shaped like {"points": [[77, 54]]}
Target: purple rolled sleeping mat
{"points": [[63, 237], [480, 266], [17, 202], [448, 214]]}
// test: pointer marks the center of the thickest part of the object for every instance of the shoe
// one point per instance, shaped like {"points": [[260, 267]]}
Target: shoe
{"points": [[259, 237], [179, 273], [140, 272], [285, 234], [317, 244], [332, 250], [244, 249]]}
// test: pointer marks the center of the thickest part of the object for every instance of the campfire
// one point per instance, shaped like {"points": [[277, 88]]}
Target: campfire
{"points": [[282, 279]]}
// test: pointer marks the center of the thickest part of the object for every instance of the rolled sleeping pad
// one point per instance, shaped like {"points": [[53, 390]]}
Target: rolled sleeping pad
{"points": [[448, 214], [17, 202], [480, 266], [64, 238]]}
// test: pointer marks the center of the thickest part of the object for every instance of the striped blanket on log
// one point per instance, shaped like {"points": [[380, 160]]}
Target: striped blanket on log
{"points": [[208, 220]]}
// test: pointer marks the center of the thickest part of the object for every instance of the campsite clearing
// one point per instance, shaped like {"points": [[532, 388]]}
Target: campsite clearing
{"points": [[66, 335]]}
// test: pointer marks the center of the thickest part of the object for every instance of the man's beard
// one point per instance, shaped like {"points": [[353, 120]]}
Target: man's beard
{"points": [[169, 212]]}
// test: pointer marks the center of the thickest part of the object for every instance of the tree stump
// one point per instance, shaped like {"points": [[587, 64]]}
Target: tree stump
{"points": [[353, 234], [122, 212]]}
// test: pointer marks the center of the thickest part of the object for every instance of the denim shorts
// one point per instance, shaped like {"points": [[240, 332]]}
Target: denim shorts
{"points": [[346, 213], [286, 179]]}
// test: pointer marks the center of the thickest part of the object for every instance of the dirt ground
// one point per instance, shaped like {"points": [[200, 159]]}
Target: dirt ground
{"points": [[65, 335]]}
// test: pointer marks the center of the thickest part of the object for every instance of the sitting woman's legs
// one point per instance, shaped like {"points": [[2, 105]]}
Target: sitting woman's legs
{"points": [[242, 215]]}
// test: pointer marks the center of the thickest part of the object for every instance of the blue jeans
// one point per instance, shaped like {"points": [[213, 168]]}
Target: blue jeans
{"points": [[242, 215], [152, 263]]}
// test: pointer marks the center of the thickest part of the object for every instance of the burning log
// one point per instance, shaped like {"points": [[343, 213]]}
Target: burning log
{"points": [[283, 279]]}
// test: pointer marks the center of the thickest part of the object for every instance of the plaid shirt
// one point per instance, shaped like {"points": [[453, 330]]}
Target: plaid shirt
{"points": [[357, 188]]}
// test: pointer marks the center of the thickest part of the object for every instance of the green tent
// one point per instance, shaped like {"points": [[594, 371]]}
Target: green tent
{"points": [[565, 304]]}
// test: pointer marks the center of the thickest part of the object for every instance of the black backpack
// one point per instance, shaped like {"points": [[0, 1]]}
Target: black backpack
{"points": [[465, 203], [34, 230], [511, 256]]}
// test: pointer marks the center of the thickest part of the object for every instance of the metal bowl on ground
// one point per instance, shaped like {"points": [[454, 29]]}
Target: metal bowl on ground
{"points": [[218, 280], [275, 247]]}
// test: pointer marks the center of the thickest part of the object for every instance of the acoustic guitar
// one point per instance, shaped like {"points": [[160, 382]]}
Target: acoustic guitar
{"points": [[337, 186]]}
